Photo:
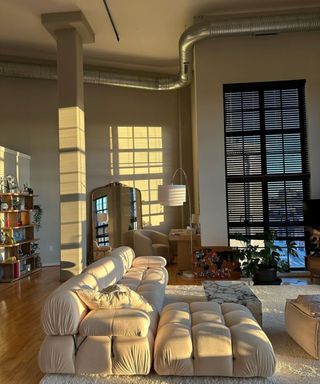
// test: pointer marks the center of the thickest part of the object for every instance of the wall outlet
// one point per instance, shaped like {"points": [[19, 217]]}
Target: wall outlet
{"points": [[50, 248]]}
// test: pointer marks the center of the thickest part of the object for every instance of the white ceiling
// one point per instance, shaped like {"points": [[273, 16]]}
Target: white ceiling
{"points": [[149, 29]]}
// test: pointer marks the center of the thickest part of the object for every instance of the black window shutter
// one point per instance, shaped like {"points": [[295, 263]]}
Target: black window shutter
{"points": [[266, 159]]}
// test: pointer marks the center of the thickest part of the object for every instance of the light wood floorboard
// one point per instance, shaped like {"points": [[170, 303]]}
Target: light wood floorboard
{"points": [[20, 331]]}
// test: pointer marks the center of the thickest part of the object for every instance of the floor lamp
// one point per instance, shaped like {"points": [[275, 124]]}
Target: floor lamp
{"points": [[174, 195]]}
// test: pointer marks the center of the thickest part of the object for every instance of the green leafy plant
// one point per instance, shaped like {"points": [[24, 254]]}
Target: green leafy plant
{"points": [[37, 216], [254, 258]]}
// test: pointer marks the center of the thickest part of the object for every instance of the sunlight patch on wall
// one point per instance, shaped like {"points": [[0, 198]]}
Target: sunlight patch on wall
{"points": [[2, 151], [72, 188], [136, 156]]}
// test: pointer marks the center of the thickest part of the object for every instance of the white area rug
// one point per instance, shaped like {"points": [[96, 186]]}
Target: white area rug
{"points": [[294, 366]]}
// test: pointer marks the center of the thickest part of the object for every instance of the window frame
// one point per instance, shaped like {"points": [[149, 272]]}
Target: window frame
{"points": [[264, 177]]}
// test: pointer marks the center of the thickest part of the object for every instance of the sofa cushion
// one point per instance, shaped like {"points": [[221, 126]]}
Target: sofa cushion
{"points": [[202, 339], [115, 322], [149, 261], [63, 310], [110, 269], [113, 297]]}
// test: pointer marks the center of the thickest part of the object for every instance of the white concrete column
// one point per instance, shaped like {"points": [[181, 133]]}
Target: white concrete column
{"points": [[71, 30]]}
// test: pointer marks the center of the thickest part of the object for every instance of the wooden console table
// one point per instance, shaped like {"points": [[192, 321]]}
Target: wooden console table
{"points": [[313, 265], [184, 253]]}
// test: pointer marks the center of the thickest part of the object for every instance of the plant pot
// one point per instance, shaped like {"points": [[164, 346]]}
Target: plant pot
{"points": [[265, 275]]}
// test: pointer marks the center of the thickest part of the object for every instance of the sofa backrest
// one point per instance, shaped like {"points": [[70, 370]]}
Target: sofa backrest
{"points": [[110, 269], [63, 310]]}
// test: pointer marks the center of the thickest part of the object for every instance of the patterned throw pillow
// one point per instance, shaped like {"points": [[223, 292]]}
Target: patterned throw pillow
{"points": [[113, 297]]}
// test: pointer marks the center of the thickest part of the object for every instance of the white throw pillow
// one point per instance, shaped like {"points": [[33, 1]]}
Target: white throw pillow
{"points": [[113, 297]]}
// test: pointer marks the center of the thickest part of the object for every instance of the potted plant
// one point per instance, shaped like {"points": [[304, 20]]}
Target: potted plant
{"points": [[263, 263], [37, 216]]}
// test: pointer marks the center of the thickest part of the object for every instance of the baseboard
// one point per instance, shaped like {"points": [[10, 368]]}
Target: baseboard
{"points": [[51, 265], [295, 274]]}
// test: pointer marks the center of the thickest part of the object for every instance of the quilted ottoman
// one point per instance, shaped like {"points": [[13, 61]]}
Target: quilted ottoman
{"points": [[208, 339], [302, 316]]}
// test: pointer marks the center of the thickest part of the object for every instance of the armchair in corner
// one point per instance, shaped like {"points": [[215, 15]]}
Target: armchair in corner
{"points": [[149, 242], [100, 251]]}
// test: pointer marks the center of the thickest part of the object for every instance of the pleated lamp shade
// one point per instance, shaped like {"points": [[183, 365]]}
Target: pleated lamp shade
{"points": [[195, 218], [172, 195]]}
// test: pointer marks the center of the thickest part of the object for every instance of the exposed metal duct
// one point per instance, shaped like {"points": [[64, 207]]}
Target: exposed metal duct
{"points": [[240, 26]]}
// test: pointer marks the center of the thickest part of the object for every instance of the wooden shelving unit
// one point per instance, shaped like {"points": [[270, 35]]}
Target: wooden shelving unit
{"points": [[17, 244]]}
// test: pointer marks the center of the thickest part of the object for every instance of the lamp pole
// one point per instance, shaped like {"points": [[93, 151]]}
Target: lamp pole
{"points": [[188, 191], [189, 206]]}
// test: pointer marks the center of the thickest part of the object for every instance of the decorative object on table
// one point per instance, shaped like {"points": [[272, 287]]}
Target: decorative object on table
{"points": [[34, 248], [20, 253], [19, 235], [174, 195], [262, 263], [4, 206], [195, 222], [38, 262], [11, 259], [17, 203], [11, 184], [27, 189], [2, 188], [211, 264], [9, 240], [37, 216], [16, 269]]}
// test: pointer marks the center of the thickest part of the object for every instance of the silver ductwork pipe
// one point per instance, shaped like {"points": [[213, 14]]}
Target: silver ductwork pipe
{"points": [[239, 26]]}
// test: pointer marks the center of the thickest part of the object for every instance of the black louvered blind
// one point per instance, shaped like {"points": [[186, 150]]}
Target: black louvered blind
{"points": [[266, 159]]}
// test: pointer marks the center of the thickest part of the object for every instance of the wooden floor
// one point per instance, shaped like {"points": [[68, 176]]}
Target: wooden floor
{"points": [[20, 332]]}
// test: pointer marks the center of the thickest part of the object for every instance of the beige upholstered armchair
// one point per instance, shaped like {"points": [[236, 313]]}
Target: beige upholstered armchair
{"points": [[100, 251], [151, 243]]}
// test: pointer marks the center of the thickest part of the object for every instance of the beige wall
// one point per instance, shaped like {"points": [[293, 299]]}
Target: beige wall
{"points": [[114, 106], [15, 164], [29, 123], [237, 60]]}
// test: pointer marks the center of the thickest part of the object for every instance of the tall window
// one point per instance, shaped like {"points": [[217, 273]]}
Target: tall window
{"points": [[266, 161], [101, 210]]}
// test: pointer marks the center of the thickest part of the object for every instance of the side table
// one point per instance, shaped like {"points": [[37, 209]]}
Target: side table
{"points": [[237, 292]]}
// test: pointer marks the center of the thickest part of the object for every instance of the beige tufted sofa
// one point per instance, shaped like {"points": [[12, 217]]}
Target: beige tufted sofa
{"points": [[197, 339], [206, 339], [113, 341]]}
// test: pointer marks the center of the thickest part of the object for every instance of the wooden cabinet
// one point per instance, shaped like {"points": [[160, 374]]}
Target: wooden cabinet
{"points": [[313, 266], [18, 243]]}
